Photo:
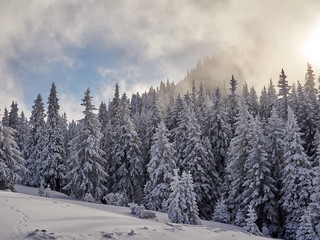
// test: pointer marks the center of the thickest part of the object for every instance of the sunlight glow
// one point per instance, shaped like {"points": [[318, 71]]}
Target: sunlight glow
{"points": [[312, 47]]}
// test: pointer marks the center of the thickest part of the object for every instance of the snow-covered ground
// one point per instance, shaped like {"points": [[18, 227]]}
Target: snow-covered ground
{"points": [[24, 215]]}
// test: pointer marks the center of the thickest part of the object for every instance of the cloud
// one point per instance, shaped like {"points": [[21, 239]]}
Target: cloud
{"points": [[70, 105], [156, 39]]}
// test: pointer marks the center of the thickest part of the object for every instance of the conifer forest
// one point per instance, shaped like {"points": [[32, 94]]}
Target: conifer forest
{"points": [[199, 152]]}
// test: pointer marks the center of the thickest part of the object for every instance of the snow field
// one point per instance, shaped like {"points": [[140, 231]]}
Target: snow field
{"points": [[27, 216]]}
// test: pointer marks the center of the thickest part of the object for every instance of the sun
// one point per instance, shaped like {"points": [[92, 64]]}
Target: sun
{"points": [[312, 47]]}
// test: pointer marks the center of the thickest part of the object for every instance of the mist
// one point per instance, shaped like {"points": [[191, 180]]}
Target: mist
{"points": [[140, 43]]}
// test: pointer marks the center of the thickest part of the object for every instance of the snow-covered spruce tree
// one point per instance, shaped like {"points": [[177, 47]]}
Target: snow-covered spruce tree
{"points": [[307, 120], [218, 131], [283, 101], [310, 221], [10, 159], [306, 228], [63, 125], [232, 104], [237, 155], [182, 206], [154, 117], [22, 135], [126, 158], [110, 137], [272, 97], [259, 187], [173, 113], [221, 213], [103, 116], [275, 143], [190, 198], [176, 202], [296, 178], [14, 116], [264, 111], [239, 219], [35, 144], [245, 93], [200, 108], [275, 135], [253, 105], [309, 85], [85, 173], [293, 99], [53, 163], [179, 133], [5, 118], [251, 219], [202, 168], [160, 170]]}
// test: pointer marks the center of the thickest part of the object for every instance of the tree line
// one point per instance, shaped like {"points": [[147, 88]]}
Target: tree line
{"points": [[205, 154]]}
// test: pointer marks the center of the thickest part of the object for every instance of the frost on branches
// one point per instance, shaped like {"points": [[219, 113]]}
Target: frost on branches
{"points": [[251, 219], [297, 178], [160, 170], [10, 159], [86, 175], [182, 205]]}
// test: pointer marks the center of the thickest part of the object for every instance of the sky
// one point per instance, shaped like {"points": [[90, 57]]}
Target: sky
{"points": [[138, 43]]}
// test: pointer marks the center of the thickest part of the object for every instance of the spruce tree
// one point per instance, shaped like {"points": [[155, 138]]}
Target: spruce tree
{"points": [[173, 113], [103, 116], [53, 165], [5, 118], [251, 226], [309, 84], [259, 186], [154, 117], [10, 159], [219, 133], [110, 137], [283, 101], [126, 157], [239, 219], [264, 111], [180, 132], [306, 117], [310, 222], [296, 178], [177, 203], [221, 213], [275, 135], [237, 155], [272, 98], [14, 116], [190, 198], [86, 174], [253, 105], [200, 108], [22, 135], [232, 103], [306, 228], [35, 144], [245, 93], [197, 160], [182, 206], [160, 170]]}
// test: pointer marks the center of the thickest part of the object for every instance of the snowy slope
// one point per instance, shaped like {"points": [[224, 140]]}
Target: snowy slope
{"points": [[24, 215]]}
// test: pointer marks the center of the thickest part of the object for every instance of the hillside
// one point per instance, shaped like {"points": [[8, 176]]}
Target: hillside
{"points": [[24, 215]]}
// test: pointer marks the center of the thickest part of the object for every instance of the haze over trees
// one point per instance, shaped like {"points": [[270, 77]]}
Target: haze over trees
{"points": [[248, 159]]}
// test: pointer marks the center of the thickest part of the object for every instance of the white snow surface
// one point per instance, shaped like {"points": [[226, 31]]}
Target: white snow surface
{"points": [[25, 215]]}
